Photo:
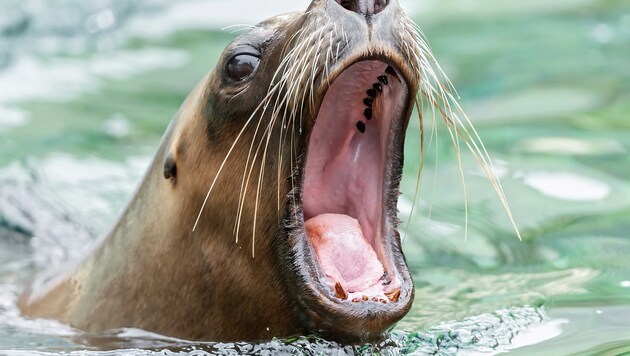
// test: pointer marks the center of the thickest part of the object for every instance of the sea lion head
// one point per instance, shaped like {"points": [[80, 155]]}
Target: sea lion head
{"points": [[303, 125], [270, 209]]}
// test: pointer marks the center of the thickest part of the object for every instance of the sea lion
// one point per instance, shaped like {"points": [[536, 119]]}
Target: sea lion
{"points": [[270, 209]]}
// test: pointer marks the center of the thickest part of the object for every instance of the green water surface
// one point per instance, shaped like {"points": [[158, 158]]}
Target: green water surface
{"points": [[547, 86]]}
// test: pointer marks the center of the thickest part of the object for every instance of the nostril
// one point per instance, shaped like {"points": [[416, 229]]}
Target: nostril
{"points": [[380, 5], [348, 5], [364, 7]]}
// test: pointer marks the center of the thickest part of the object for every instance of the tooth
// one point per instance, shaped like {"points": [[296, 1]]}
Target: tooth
{"points": [[368, 113], [340, 292], [372, 93], [378, 87], [375, 299], [383, 301], [368, 102], [365, 298], [383, 79], [356, 300], [393, 296], [361, 126]]}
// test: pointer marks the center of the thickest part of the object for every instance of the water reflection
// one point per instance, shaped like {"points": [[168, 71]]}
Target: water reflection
{"points": [[571, 146], [567, 186]]}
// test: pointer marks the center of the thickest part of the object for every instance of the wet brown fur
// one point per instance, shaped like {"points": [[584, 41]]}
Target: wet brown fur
{"points": [[154, 273]]}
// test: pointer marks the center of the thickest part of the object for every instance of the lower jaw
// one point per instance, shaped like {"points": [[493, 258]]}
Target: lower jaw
{"points": [[371, 279], [353, 320]]}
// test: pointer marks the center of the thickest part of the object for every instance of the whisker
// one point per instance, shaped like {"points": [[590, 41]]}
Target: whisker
{"points": [[440, 92], [238, 28], [222, 166]]}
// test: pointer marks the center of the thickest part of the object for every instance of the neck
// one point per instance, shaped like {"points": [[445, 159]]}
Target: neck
{"points": [[153, 272]]}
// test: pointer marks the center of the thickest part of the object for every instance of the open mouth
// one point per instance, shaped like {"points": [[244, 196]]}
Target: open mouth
{"points": [[349, 193]]}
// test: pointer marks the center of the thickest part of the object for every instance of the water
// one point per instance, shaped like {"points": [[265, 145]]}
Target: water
{"points": [[86, 92]]}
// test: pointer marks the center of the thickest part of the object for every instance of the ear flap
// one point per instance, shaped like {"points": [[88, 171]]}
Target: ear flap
{"points": [[170, 167]]}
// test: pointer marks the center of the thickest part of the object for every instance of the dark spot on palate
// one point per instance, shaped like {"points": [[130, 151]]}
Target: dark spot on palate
{"points": [[368, 113], [378, 87], [391, 71], [371, 93], [361, 126], [383, 79], [368, 102]]}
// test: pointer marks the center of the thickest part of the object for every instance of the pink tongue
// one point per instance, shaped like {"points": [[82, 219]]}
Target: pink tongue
{"points": [[343, 253]]}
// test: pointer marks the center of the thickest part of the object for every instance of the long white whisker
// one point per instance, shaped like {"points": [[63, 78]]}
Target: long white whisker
{"points": [[438, 90]]}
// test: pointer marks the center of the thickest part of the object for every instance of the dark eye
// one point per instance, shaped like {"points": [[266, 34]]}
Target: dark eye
{"points": [[242, 66]]}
